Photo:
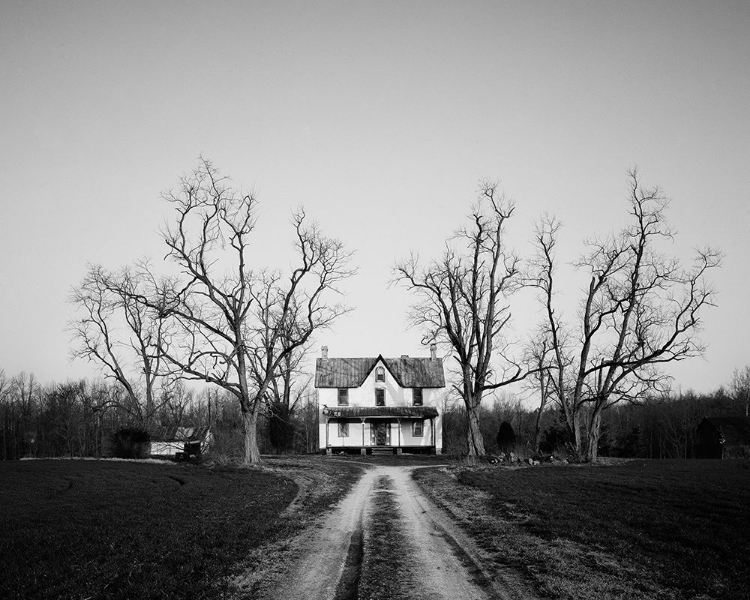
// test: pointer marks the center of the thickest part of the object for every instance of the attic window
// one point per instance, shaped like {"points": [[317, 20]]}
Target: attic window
{"points": [[417, 396], [343, 397], [380, 374], [380, 397]]}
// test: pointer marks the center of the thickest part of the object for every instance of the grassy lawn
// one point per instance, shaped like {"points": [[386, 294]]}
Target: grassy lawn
{"points": [[646, 529], [105, 529]]}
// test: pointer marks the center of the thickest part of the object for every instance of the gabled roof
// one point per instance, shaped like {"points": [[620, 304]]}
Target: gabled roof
{"points": [[352, 372], [424, 412], [734, 430]]}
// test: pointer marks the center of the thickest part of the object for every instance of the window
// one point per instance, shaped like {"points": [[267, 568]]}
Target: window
{"points": [[343, 429], [343, 397], [380, 374], [379, 397], [417, 428], [417, 396]]}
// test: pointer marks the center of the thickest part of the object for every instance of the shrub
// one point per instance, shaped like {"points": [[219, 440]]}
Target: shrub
{"points": [[131, 443], [506, 437]]}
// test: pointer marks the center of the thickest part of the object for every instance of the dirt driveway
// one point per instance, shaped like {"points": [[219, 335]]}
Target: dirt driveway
{"points": [[385, 539]]}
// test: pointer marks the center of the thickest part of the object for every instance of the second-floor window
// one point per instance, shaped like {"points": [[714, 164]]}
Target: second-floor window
{"points": [[379, 397], [343, 397], [417, 396]]}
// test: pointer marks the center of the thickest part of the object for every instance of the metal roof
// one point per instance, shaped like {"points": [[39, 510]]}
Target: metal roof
{"points": [[346, 412], [352, 372], [179, 434]]}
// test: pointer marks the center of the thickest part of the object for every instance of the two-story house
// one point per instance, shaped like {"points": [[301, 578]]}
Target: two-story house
{"points": [[382, 404]]}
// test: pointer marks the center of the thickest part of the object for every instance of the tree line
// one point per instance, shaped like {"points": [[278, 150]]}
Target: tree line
{"points": [[656, 427], [211, 311], [78, 418]]}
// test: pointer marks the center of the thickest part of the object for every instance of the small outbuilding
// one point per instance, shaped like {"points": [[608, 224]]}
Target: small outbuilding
{"points": [[724, 437], [180, 442]]}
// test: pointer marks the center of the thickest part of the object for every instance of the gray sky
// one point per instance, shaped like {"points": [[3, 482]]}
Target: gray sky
{"points": [[380, 118]]}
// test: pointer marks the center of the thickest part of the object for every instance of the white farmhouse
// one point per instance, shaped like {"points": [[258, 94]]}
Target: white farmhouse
{"points": [[380, 404]]}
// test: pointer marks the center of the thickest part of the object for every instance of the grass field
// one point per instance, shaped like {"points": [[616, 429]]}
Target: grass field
{"points": [[106, 529], [646, 529]]}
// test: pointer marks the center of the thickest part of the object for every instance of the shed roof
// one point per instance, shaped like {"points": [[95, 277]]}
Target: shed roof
{"points": [[179, 434], [424, 412], [352, 372], [734, 430]]}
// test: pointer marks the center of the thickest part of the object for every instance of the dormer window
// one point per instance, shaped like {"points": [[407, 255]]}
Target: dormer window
{"points": [[380, 374], [343, 397], [417, 396], [379, 397]]}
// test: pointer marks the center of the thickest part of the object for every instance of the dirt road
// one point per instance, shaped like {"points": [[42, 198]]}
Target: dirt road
{"points": [[387, 540]]}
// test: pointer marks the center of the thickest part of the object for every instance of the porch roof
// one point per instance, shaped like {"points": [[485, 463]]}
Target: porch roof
{"points": [[355, 412]]}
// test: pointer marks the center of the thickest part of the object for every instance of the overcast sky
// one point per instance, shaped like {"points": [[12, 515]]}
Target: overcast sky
{"points": [[380, 118]]}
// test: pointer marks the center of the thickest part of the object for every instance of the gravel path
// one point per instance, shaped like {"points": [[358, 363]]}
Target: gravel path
{"points": [[441, 562]]}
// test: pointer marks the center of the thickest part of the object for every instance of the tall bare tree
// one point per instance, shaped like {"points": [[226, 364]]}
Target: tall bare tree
{"points": [[640, 310], [740, 387], [121, 335], [234, 326], [538, 355], [462, 303]]}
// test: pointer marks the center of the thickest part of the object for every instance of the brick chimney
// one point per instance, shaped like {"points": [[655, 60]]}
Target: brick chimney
{"points": [[433, 351], [324, 351]]}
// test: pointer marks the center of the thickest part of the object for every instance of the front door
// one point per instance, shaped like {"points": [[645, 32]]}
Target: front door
{"points": [[382, 434]]}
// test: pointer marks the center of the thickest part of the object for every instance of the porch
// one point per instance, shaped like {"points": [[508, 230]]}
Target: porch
{"points": [[380, 430]]}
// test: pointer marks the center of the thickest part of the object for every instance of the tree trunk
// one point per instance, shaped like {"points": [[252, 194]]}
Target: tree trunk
{"points": [[473, 433], [538, 426], [592, 441], [250, 426], [572, 419]]}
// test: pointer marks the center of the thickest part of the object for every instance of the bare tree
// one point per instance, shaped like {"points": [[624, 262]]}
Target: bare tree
{"points": [[462, 302], [740, 387], [234, 327], [121, 335], [641, 310], [538, 355]]}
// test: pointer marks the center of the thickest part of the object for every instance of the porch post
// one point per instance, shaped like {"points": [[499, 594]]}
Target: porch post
{"points": [[364, 450]]}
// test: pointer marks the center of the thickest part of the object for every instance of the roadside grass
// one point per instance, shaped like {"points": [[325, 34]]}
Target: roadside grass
{"points": [[646, 529], [105, 529]]}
